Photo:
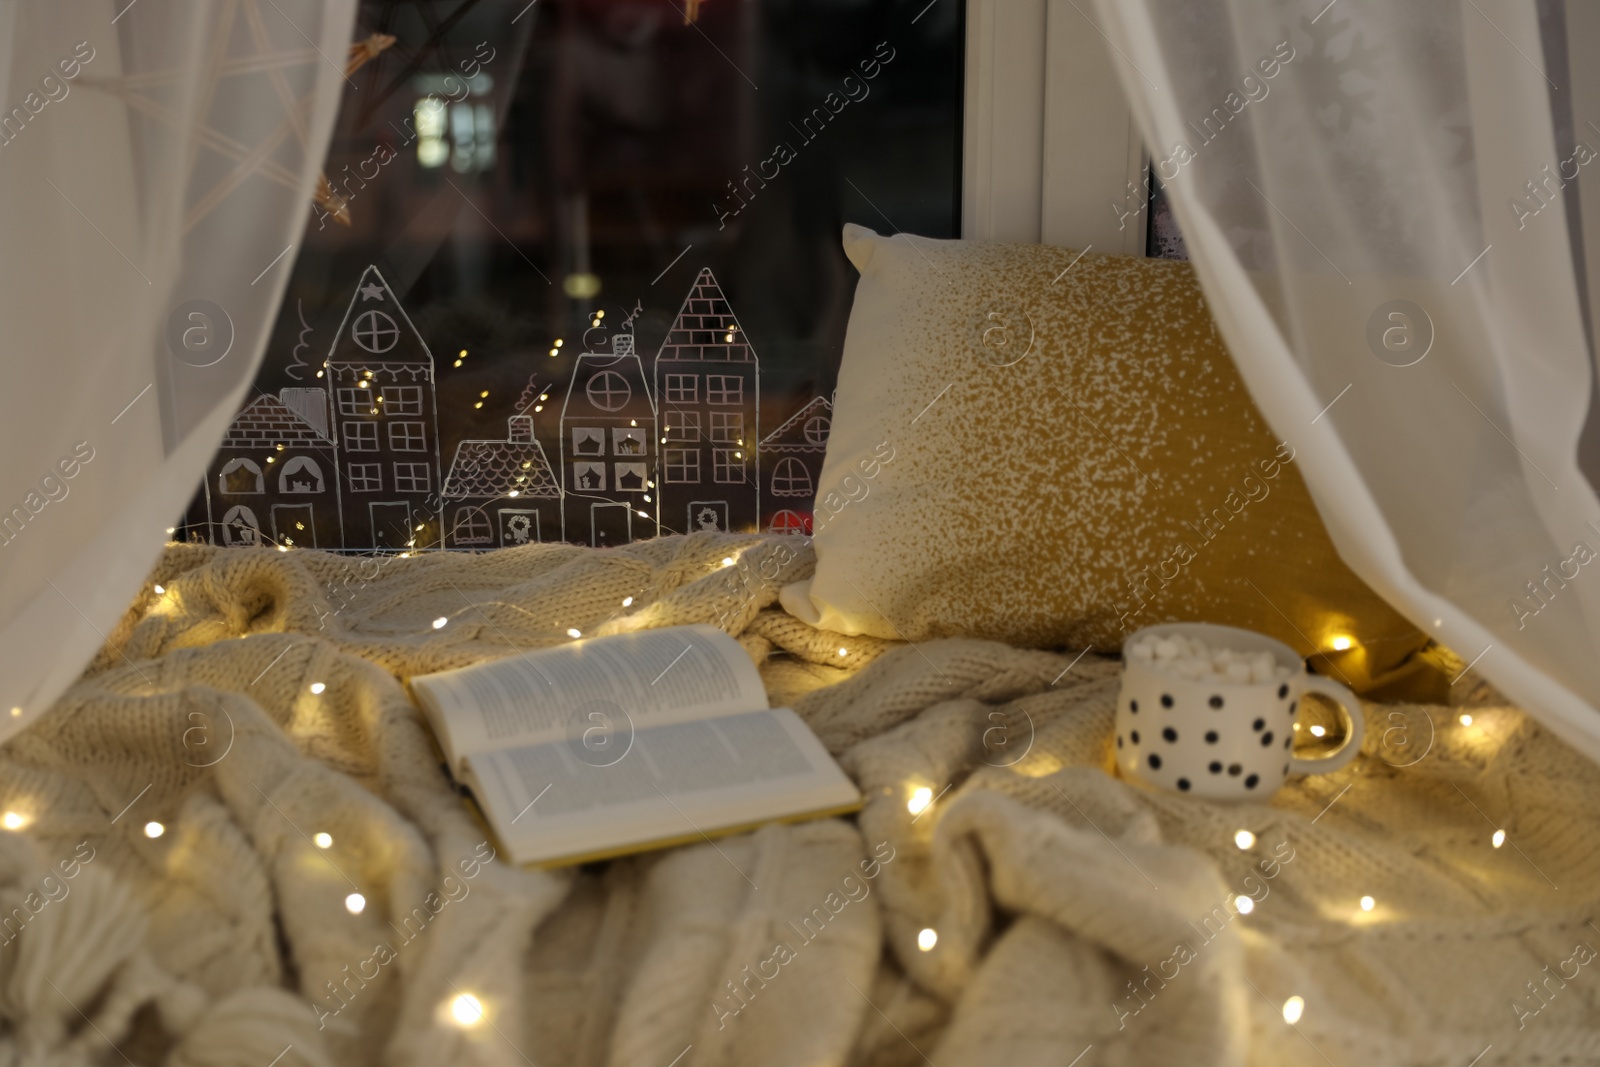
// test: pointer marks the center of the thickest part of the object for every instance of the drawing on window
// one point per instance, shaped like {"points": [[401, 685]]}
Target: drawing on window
{"points": [[683, 426], [375, 331], [239, 526], [356, 402], [406, 436], [629, 441], [816, 431], [402, 399], [411, 478], [681, 465], [471, 527], [724, 389], [630, 477], [240, 477], [300, 475], [727, 426], [590, 476], [727, 465], [361, 436], [588, 441], [790, 478], [683, 388], [608, 391], [365, 477]]}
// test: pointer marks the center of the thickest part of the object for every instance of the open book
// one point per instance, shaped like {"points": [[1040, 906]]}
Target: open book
{"points": [[618, 744]]}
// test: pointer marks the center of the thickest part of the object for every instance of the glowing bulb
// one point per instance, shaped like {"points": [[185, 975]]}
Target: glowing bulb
{"points": [[727, 339], [1244, 839], [844, 652], [627, 601], [154, 830], [440, 623], [928, 936], [271, 459], [1367, 903], [322, 840], [458, 363], [538, 407], [16, 713], [921, 797], [355, 903], [574, 632], [1244, 904], [644, 514], [1341, 643], [552, 352], [1466, 720], [633, 422], [484, 394], [463, 353], [1318, 731], [12, 820], [559, 342], [1293, 1008], [466, 1010], [513, 493], [479, 404], [727, 561], [544, 396], [1497, 840], [317, 687], [172, 529], [364, 384], [160, 589]]}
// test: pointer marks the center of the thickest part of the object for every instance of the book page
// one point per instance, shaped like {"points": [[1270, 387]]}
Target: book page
{"points": [[589, 689], [676, 778]]}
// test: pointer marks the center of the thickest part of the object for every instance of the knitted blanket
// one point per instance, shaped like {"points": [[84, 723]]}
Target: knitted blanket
{"points": [[235, 846]]}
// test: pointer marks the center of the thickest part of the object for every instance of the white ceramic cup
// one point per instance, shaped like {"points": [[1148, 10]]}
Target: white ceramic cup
{"points": [[1221, 740]]}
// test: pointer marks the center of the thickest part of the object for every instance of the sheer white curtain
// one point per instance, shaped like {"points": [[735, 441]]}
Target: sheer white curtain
{"points": [[157, 161], [1373, 197]]}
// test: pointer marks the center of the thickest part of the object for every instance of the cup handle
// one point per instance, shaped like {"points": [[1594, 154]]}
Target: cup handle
{"points": [[1355, 723]]}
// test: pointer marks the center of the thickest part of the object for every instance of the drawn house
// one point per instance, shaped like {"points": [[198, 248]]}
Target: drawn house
{"points": [[608, 421], [708, 387], [791, 464], [501, 493], [385, 424], [274, 480]]}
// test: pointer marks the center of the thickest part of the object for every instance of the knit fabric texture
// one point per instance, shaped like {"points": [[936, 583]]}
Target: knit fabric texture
{"points": [[233, 841]]}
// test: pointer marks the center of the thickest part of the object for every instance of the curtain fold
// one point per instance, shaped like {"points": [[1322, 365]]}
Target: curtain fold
{"points": [[1372, 195], [157, 162]]}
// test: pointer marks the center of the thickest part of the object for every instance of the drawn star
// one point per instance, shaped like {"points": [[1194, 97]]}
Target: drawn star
{"points": [[372, 291]]}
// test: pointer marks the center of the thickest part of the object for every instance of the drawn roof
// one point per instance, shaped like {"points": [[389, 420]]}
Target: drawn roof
{"points": [[375, 325], [791, 436], [268, 422], [499, 468], [703, 325], [633, 401]]}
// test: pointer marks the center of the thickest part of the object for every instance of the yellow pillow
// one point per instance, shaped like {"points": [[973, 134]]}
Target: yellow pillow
{"points": [[1053, 448]]}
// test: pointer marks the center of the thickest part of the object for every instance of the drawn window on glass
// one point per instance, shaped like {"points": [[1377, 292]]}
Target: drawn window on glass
{"points": [[588, 441], [365, 477], [239, 527], [724, 389], [356, 402], [628, 441], [472, 527], [630, 478], [300, 475], [683, 388], [375, 332], [816, 429], [240, 477], [683, 426], [411, 478], [406, 437], [787, 522], [608, 391], [727, 465], [790, 478], [681, 465], [727, 426], [402, 399], [589, 476], [361, 436]]}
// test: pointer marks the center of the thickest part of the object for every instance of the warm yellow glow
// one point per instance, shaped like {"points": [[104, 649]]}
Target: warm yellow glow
{"points": [[154, 829], [1244, 839], [271, 459], [364, 384], [727, 561], [322, 839], [457, 363], [644, 514], [463, 353], [1497, 840], [1244, 904], [574, 632], [1341, 643], [844, 652], [16, 713], [355, 903], [633, 422], [1318, 731], [921, 797], [479, 404], [160, 589], [927, 938], [1466, 720], [440, 623], [13, 820], [466, 1010], [559, 342], [627, 601], [544, 396], [318, 687], [1293, 1008], [1367, 903], [514, 493]]}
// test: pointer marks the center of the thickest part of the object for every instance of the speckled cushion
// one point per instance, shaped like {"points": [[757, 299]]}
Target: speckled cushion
{"points": [[1054, 448]]}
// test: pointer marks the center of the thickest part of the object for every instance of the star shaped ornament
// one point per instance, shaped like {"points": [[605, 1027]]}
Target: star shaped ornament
{"points": [[371, 291], [250, 49]]}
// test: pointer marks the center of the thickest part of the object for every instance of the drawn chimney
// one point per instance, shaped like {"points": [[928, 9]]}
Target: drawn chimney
{"points": [[519, 428]]}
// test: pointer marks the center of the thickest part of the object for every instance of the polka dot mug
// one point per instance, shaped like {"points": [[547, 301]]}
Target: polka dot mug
{"points": [[1222, 740]]}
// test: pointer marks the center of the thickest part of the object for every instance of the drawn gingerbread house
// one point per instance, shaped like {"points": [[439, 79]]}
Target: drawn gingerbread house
{"points": [[608, 422], [386, 424], [708, 389], [273, 480], [791, 464], [502, 493]]}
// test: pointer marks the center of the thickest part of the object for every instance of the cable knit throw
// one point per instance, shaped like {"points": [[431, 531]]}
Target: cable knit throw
{"points": [[234, 847]]}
